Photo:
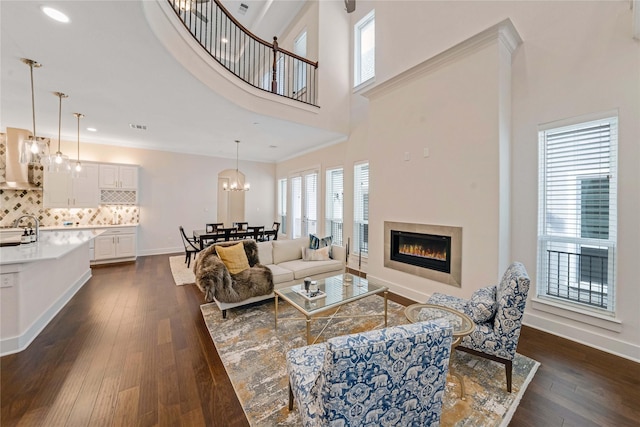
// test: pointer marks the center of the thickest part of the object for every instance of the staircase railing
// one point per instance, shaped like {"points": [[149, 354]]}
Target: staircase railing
{"points": [[259, 63]]}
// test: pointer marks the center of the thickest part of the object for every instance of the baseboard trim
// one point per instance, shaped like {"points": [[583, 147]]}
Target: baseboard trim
{"points": [[573, 333], [601, 342]]}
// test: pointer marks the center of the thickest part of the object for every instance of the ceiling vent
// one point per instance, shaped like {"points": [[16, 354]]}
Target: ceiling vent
{"points": [[243, 9], [139, 127]]}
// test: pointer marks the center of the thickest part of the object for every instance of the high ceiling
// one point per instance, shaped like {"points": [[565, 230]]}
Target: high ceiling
{"points": [[117, 74]]}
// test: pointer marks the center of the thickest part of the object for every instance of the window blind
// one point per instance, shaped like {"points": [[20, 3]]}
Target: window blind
{"points": [[334, 204], [311, 203], [577, 211], [282, 204], [361, 207], [296, 205]]}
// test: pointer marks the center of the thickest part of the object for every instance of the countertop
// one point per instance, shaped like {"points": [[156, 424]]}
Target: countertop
{"points": [[53, 244]]}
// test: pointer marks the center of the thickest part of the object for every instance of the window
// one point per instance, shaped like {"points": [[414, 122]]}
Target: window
{"points": [[577, 213], [361, 208], [300, 67], [364, 49], [282, 205], [304, 197], [334, 204]]}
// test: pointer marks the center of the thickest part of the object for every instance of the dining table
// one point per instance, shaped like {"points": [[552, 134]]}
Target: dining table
{"points": [[226, 234], [221, 233]]}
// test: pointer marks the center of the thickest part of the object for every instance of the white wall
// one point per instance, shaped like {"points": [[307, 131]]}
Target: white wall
{"points": [[453, 110], [181, 189], [576, 58]]}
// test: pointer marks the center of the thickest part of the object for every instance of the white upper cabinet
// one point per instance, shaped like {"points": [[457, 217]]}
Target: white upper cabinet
{"points": [[121, 177], [61, 190]]}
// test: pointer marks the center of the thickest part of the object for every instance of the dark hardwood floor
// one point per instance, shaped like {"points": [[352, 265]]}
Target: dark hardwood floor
{"points": [[131, 348]]}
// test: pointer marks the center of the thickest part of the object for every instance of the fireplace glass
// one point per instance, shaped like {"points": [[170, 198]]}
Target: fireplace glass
{"points": [[422, 250]]}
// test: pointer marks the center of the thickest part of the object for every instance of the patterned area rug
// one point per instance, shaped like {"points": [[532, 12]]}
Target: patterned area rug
{"points": [[182, 274], [253, 354]]}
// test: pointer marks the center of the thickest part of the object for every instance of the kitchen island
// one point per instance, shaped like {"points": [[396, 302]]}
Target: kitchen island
{"points": [[37, 280]]}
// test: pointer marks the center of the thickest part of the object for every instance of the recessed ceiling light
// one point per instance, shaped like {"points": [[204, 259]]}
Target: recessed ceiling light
{"points": [[55, 14], [224, 40], [92, 129]]}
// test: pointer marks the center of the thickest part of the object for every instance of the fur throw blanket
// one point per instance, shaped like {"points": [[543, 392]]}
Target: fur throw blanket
{"points": [[215, 281]]}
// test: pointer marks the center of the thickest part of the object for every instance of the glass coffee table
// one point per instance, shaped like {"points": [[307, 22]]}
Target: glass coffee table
{"points": [[334, 292], [461, 323]]}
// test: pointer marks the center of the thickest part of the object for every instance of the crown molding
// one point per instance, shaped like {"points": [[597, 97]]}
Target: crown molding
{"points": [[504, 32]]}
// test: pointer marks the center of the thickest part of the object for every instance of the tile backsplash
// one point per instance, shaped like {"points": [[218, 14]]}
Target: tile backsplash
{"points": [[29, 202]]}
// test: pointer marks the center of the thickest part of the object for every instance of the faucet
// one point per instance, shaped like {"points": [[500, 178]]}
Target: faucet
{"points": [[17, 222]]}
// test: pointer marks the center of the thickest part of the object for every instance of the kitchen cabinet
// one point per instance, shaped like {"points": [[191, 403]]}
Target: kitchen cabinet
{"points": [[115, 245], [62, 190], [122, 177]]}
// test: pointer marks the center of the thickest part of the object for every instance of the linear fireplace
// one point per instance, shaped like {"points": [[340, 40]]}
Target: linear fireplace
{"points": [[430, 251], [424, 250]]}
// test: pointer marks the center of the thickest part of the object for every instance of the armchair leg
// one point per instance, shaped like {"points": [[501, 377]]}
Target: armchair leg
{"points": [[224, 314], [290, 397], [508, 364]]}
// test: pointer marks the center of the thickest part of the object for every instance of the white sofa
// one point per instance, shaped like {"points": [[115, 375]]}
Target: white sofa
{"points": [[284, 259]]}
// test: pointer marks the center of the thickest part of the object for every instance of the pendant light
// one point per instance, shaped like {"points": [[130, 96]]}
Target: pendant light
{"points": [[58, 162], [78, 167], [33, 148], [239, 183]]}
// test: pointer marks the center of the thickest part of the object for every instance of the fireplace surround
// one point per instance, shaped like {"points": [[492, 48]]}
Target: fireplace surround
{"points": [[429, 251]]}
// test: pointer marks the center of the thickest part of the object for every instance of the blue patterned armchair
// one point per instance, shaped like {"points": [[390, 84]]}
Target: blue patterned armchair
{"points": [[393, 377], [497, 312]]}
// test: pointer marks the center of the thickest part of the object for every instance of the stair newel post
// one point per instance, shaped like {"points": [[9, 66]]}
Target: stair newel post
{"points": [[274, 79]]}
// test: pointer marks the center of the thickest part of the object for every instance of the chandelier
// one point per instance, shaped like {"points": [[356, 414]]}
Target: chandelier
{"points": [[238, 184]]}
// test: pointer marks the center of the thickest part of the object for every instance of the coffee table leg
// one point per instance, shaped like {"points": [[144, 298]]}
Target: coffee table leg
{"points": [[460, 380], [385, 308], [452, 369], [276, 313], [308, 331]]}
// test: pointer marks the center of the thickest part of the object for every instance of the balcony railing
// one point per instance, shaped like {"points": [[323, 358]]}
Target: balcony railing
{"points": [[259, 63], [579, 277]]}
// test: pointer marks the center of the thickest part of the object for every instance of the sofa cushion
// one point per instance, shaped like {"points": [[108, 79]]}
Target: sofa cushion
{"points": [[280, 275], [288, 250], [302, 269], [321, 254], [265, 253], [233, 257]]}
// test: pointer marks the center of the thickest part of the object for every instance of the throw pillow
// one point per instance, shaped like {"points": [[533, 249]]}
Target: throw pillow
{"points": [[482, 305], [316, 242], [321, 254], [233, 257]]}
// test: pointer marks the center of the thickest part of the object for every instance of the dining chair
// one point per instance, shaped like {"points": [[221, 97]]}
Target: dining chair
{"points": [[190, 246], [241, 229], [213, 227], [258, 233]]}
